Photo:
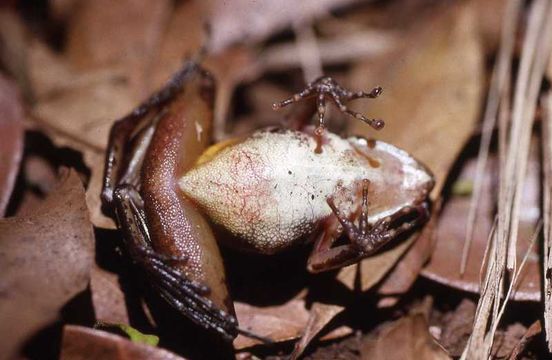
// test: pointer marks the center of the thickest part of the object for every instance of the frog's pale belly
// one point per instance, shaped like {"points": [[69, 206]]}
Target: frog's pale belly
{"points": [[271, 189]]}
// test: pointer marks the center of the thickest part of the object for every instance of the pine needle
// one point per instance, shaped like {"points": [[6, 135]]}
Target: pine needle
{"points": [[514, 144], [498, 89]]}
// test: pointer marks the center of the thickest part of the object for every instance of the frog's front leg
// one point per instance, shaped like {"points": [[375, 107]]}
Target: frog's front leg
{"points": [[130, 136], [365, 239], [326, 87]]}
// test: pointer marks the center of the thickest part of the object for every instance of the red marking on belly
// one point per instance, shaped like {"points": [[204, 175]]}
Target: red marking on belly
{"points": [[249, 187]]}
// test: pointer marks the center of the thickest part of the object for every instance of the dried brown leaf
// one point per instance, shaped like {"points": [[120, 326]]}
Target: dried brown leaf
{"points": [[75, 109], [230, 68], [432, 95], [285, 322], [249, 21], [13, 49], [319, 316], [104, 33], [279, 323], [405, 339], [182, 38], [533, 330], [445, 261], [11, 139], [506, 341], [103, 73], [85, 343], [45, 260], [458, 327], [432, 90]]}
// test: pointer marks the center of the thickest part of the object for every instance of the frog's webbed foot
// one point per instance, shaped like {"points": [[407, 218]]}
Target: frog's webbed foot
{"points": [[187, 296], [326, 87], [365, 239]]}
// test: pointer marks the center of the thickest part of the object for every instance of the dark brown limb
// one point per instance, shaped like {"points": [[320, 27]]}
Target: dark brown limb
{"points": [[327, 88], [128, 135], [365, 239]]}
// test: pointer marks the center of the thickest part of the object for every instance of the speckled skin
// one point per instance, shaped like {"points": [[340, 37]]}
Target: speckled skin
{"points": [[271, 189]]}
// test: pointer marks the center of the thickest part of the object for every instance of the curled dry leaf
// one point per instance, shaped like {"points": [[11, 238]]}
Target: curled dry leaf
{"points": [[431, 101], [320, 315], [405, 339], [285, 322], [280, 323], [85, 343], [11, 139], [45, 260], [451, 231], [506, 341], [532, 332]]}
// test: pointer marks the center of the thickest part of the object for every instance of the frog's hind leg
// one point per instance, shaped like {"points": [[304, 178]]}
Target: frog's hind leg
{"points": [[365, 239], [323, 257], [187, 296]]}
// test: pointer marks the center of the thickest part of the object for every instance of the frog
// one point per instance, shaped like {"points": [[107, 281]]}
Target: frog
{"points": [[172, 192]]}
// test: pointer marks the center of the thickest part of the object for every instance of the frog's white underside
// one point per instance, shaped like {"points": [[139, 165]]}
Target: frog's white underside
{"points": [[271, 189]]}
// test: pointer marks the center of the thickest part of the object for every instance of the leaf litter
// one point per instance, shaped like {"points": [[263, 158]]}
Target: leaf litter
{"points": [[45, 259], [433, 65]]}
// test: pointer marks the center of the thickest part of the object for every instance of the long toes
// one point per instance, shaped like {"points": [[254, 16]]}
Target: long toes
{"points": [[377, 124], [189, 298], [280, 104], [226, 328]]}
